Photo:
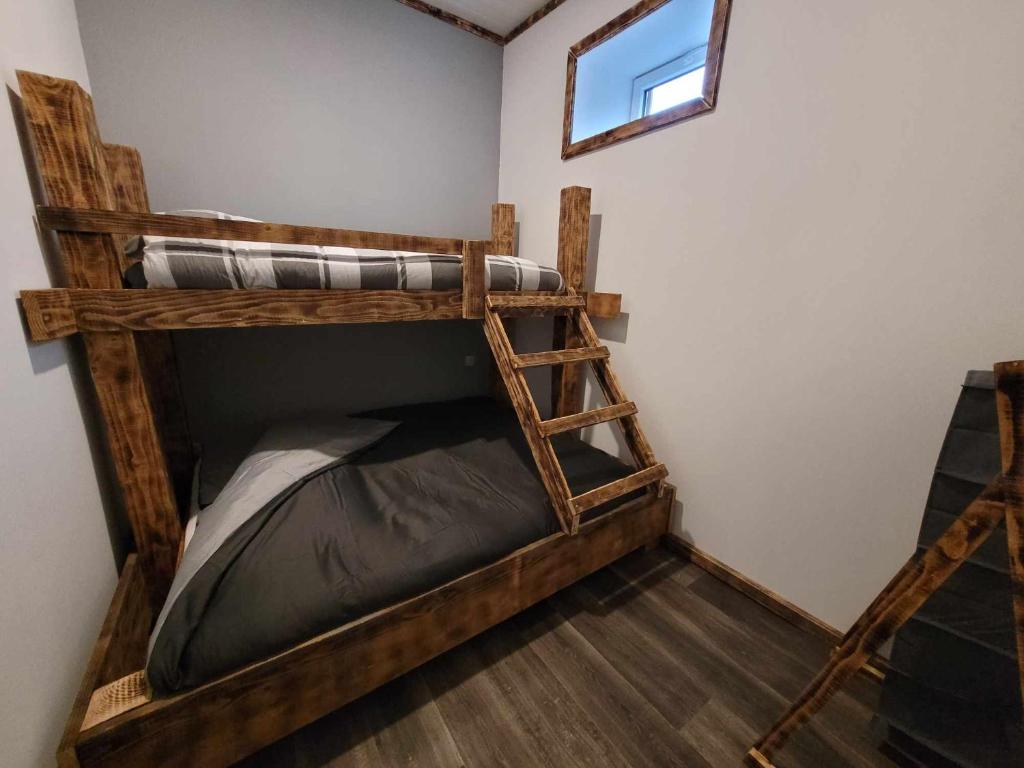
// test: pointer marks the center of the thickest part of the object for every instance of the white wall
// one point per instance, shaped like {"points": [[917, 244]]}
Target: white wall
{"points": [[56, 562], [808, 271], [363, 114]]}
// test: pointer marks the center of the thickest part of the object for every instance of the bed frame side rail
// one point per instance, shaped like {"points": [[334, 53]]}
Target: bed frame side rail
{"points": [[227, 719]]}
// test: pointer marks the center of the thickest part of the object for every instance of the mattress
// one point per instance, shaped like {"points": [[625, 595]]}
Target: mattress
{"points": [[434, 492], [162, 262]]}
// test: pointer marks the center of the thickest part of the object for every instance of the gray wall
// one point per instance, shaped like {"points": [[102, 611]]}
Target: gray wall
{"points": [[354, 113]]}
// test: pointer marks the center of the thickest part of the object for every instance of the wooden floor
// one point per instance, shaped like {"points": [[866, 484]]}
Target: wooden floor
{"points": [[651, 662]]}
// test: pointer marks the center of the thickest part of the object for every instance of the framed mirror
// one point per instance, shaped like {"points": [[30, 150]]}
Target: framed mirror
{"points": [[656, 64]]}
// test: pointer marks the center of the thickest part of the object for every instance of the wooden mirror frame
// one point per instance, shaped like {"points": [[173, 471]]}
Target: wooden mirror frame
{"points": [[640, 126]]}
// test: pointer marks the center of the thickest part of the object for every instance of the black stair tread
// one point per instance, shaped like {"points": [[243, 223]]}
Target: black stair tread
{"points": [[964, 732], [954, 664]]}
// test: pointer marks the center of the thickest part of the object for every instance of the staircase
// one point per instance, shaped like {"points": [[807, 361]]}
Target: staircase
{"points": [[538, 431]]}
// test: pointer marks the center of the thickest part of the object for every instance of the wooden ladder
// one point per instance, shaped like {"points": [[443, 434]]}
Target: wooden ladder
{"points": [[539, 432]]}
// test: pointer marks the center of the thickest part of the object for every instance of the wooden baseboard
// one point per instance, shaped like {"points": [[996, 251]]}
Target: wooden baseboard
{"points": [[760, 594]]}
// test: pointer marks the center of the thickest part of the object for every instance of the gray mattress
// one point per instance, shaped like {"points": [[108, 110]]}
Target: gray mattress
{"points": [[450, 489]]}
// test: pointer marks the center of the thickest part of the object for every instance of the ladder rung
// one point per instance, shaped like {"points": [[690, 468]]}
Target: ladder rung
{"points": [[559, 356], [613, 490], [586, 419], [544, 303]]}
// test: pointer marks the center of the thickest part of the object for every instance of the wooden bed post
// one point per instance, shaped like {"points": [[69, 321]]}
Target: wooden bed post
{"points": [[503, 229], [73, 164], [473, 278], [503, 233], [573, 243]]}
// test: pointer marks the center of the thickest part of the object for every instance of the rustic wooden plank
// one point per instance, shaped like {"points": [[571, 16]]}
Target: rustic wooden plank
{"points": [[73, 162], [455, 20], [929, 572], [532, 19], [618, 488], [559, 357], [503, 301], [1010, 406], [160, 309], [73, 168], [573, 245], [586, 419], [526, 411], [137, 455], [49, 314], [225, 720], [120, 647], [603, 305], [474, 265], [503, 229], [640, 126], [156, 350], [129, 223]]}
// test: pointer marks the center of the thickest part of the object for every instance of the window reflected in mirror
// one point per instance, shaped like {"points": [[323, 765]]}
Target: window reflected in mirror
{"points": [[656, 64]]}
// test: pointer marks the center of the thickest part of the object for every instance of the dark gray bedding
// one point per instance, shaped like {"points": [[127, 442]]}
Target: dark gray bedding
{"points": [[450, 489]]}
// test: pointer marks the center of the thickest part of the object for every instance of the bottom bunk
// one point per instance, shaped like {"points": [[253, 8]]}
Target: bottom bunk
{"points": [[477, 547]]}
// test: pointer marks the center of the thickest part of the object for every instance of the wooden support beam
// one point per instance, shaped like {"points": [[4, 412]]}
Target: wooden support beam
{"points": [[618, 488], [605, 305], [156, 350], [73, 163], [1010, 407], [52, 313], [542, 302], [586, 419], [162, 309], [920, 579], [573, 245], [127, 223], [559, 357], [473, 278], [503, 229]]}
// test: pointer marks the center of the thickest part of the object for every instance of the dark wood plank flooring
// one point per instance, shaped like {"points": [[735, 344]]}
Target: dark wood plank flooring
{"points": [[650, 662]]}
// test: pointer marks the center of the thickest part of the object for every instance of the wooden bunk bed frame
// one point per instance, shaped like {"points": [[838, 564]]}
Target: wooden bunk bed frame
{"points": [[96, 197]]}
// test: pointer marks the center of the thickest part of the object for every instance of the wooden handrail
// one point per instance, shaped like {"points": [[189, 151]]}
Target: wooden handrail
{"points": [[166, 225]]}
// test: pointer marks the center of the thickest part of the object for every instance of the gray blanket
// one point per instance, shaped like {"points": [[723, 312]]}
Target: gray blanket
{"points": [[450, 489]]}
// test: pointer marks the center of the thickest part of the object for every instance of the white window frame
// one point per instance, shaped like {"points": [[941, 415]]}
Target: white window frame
{"points": [[670, 70]]}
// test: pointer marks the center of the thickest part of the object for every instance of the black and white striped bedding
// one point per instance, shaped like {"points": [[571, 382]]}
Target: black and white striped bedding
{"points": [[164, 262]]}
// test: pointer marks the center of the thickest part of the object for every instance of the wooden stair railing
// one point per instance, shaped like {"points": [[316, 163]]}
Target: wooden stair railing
{"points": [[539, 431]]}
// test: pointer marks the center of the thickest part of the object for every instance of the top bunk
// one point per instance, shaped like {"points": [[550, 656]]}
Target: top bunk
{"points": [[97, 203]]}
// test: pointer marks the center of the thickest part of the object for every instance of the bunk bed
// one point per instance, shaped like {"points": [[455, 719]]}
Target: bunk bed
{"points": [[95, 201]]}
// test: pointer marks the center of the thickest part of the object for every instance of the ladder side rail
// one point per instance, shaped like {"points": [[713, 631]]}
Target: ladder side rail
{"points": [[526, 410]]}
